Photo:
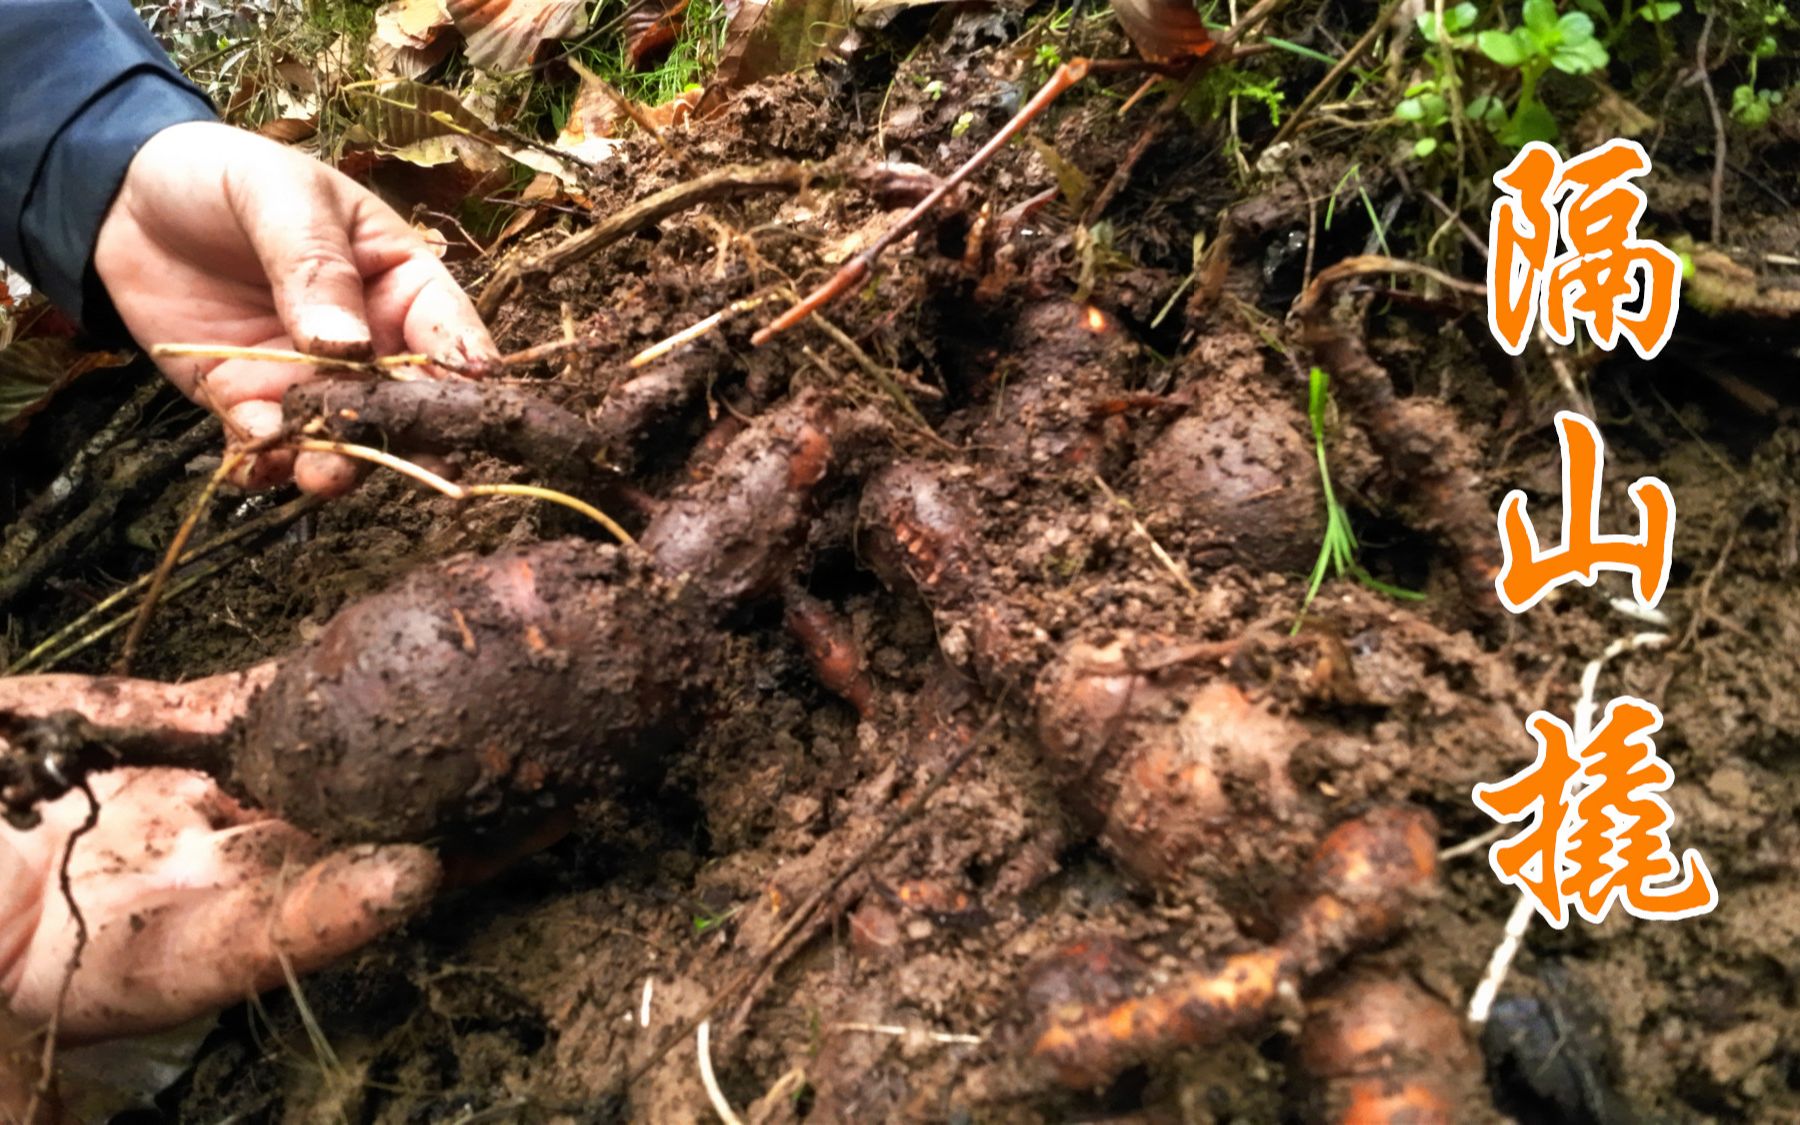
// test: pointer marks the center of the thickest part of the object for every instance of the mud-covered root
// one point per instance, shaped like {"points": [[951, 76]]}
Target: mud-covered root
{"points": [[448, 416], [1386, 1052], [1238, 474], [1175, 773], [1417, 438], [831, 647], [918, 524], [1366, 876], [736, 534], [472, 683]]}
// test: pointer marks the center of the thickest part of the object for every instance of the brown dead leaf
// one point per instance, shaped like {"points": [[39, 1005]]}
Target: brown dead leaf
{"points": [[33, 370], [411, 37], [539, 203], [650, 28], [768, 37], [1164, 30], [289, 130], [401, 113], [503, 35]]}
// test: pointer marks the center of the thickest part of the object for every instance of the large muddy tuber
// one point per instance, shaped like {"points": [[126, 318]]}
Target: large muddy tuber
{"points": [[472, 685]]}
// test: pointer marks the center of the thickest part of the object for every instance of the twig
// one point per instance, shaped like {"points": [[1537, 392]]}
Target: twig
{"points": [[47, 1068], [1718, 122], [34, 521], [1519, 921], [747, 976], [1137, 526], [135, 470], [852, 272], [729, 182], [227, 465], [907, 1032], [268, 521], [883, 378], [393, 366], [695, 330], [1698, 616], [1350, 59]]}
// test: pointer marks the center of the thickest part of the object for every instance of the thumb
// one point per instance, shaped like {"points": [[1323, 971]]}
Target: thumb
{"points": [[300, 229]]}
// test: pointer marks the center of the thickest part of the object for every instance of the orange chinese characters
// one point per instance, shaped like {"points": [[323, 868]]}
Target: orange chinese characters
{"points": [[1599, 830], [1527, 574], [1607, 277]]}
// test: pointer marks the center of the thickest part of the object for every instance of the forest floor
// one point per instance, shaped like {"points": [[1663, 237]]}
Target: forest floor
{"points": [[1117, 412]]}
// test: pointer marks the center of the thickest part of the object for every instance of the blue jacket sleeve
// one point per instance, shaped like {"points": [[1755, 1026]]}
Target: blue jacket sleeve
{"points": [[82, 86]]}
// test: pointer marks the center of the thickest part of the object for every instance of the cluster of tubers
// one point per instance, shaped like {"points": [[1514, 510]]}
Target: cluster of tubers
{"points": [[482, 684]]}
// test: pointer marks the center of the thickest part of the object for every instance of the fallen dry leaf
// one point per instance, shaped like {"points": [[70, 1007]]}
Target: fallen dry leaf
{"points": [[33, 370], [411, 37], [649, 28], [1164, 30], [503, 35], [768, 37]]}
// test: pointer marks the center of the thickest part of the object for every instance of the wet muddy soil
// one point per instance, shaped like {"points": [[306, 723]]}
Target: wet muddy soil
{"points": [[1030, 723]]}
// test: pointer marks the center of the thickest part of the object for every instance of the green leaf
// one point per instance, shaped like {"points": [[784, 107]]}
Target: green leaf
{"points": [[1424, 147], [1579, 58], [1531, 123], [1540, 19], [1418, 88], [1502, 47], [1490, 111], [1411, 109], [1660, 12], [1576, 28], [1460, 18], [1752, 108]]}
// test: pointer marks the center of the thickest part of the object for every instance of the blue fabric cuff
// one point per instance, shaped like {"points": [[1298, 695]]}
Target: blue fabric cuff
{"points": [[80, 176]]}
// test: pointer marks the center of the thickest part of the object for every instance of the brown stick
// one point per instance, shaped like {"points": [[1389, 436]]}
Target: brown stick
{"points": [[730, 182], [851, 273]]}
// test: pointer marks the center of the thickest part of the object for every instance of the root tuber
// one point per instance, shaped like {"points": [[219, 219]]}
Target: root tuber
{"points": [[1386, 1052], [554, 667], [1365, 875]]}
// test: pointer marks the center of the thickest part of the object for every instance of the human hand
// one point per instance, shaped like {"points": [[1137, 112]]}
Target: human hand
{"points": [[191, 901], [218, 236]]}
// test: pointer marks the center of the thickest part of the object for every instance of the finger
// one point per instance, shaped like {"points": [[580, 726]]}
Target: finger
{"points": [[182, 953], [252, 421], [326, 474], [299, 223], [426, 311]]}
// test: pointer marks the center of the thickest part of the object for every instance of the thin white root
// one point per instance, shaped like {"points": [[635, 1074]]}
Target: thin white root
{"points": [[1519, 921], [1498, 965], [1586, 707], [703, 1040], [1475, 844], [909, 1032], [1637, 611], [644, 1007]]}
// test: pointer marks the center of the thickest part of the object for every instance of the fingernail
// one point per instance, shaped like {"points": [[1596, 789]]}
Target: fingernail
{"points": [[331, 331]]}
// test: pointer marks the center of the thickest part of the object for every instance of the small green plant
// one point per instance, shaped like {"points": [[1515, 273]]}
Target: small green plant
{"points": [[1337, 553], [1751, 107], [705, 921], [1542, 42], [1426, 104]]}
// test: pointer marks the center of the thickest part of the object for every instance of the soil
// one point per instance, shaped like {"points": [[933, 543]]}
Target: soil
{"points": [[1046, 692]]}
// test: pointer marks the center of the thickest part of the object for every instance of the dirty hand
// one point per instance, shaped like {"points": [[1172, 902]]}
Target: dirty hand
{"points": [[219, 236], [191, 902]]}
